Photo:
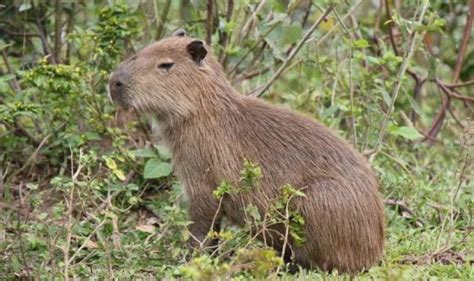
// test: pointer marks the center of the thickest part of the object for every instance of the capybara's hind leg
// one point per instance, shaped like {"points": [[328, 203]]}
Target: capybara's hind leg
{"points": [[345, 227]]}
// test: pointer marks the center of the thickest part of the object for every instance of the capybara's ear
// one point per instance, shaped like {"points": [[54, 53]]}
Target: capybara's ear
{"points": [[197, 50], [179, 33]]}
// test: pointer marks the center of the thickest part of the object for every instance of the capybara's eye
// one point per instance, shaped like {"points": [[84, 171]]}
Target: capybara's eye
{"points": [[166, 65]]}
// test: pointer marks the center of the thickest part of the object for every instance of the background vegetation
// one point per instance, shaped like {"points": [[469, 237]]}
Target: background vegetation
{"points": [[84, 190]]}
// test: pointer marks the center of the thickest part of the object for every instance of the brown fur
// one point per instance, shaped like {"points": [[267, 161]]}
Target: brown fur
{"points": [[210, 129]]}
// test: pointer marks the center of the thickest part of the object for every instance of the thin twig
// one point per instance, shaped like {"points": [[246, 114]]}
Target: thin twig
{"points": [[42, 32], [69, 29], [404, 211], [391, 27], [306, 15], [19, 231], [287, 233], [31, 160], [438, 121], [246, 27], [464, 174], [448, 92], [335, 27], [84, 244], [13, 83], [70, 224], [351, 95], [460, 84], [57, 30], [224, 39], [161, 19], [22, 34], [293, 53], [2, 184], [209, 21], [419, 82], [415, 40], [262, 38], [250, 75], [465, 40], [214, 221], [19, 131], [450, 95], [400, 163]]}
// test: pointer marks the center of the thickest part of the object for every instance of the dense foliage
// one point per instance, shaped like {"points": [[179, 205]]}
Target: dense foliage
{"points": [[86, 191]]}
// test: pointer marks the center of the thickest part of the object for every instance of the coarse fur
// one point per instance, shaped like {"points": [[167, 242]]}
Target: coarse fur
{"points": [[210, 130]]}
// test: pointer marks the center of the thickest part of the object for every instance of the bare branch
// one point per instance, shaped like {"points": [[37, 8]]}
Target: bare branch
{"points": [[161, 19], [391, 27], [262, 38], [13, 83], [460, 84], [224, 39], [293, 53], [451, 94], [404, 211], [57, 30], [415, 39], [22, 34], [209, 21], [465, 40], [247, 26], [438, 121]]}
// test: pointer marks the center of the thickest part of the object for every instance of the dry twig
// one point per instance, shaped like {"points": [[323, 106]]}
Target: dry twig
{"points": [[415, 39], [209, 21], [437, 122], [161, 18], [404, 211], [293, 53]]}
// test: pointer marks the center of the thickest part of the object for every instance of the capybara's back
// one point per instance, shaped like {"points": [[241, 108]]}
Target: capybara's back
{"points": [[211, 129], [342, 209]]}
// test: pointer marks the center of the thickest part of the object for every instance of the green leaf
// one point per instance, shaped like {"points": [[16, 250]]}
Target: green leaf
{"points": [[361, 43], [414, 105], [110, 163], [373, 60], [155, 168], [386, 96], [406, 132], [291, 34], [32, 186], [164, 153], [24, 7], [120, 174], [224, 188], [7, 77], [144, 152], [4, 45], [299, 193], [252, 210], [133, 200]]}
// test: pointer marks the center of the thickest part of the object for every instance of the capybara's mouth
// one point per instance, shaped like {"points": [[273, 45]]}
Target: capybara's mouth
{"points": [[118, 87], [119, 99]]}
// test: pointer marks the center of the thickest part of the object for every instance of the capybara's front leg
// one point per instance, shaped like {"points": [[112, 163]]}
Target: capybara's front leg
{"points": [[205, 216]]}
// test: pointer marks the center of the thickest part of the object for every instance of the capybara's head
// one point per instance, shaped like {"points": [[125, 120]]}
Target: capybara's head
{"points": [[167, 78]]}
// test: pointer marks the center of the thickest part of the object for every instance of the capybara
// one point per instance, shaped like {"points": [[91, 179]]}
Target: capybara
{"points": [[211, 129]]}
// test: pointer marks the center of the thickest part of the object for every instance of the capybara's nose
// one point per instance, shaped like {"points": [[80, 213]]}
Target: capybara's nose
{"points": [[118, 83]]}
